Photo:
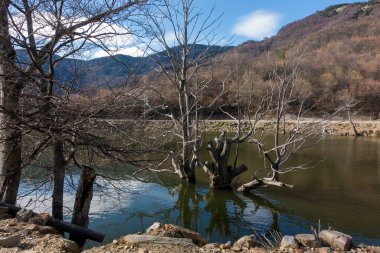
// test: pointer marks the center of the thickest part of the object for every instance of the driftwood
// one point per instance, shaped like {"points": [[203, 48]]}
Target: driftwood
{"points": [[63, 226], [262, 182]]}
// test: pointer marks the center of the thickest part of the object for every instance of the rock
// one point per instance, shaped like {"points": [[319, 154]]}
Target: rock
{"points": [[336, 239], [211, 246], [308, 240], [194, 236], [70, 246], [160, 243], [248, 241], [324, 250], [258, 250], [236, 249], [24, 215], [40, 219], [10, 241], [288, 242], [227, 245], [170, 230], [153, 227]]}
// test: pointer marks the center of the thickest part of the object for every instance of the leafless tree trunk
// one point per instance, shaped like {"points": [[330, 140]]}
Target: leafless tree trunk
{"points": [[353, 125], [68, 36], [10, 133], [220, 172], [83, 201], [180, 67], [59, 179]]}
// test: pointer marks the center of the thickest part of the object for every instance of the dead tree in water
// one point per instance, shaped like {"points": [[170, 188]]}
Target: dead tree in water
{"points": [[220, 172], [179, 60], [303, 134]]}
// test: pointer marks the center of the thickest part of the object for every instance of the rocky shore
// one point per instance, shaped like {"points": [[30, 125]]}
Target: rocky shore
{"points": [[168, 238], [31, 235]]}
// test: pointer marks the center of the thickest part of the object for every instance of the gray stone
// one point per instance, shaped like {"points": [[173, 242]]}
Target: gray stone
{"points": [[248, 241], [164, 244], [288, 242], [227, 245], [336, 240], [170, 230], [24, 215], [153, 227], [308, 240], [10, 241], [189, 234], [71, 246]]}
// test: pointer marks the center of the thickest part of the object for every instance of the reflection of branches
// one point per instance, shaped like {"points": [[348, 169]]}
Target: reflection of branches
{"points": [[217, 205], [188, 211], [264, 203]]}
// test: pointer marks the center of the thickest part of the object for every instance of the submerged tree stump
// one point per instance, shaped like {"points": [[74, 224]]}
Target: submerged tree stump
{"points": [[220, 173]]}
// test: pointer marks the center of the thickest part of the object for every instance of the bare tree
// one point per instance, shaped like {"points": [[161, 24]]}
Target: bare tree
{"points": [[10, 133], [176, 29], [50, 32], [302, 134]]}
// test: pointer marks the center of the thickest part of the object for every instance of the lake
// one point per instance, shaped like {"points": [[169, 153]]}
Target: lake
{"points": [[342, 191]]}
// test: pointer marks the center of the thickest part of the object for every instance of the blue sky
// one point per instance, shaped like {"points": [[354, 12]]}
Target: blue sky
{"points": [[241, 20], [256, 19]]}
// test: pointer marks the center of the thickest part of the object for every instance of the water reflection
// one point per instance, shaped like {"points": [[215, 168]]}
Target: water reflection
{"points": [[220, 215], [343, 191]]}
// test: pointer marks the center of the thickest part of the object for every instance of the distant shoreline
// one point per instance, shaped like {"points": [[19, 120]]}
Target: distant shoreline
{"points": [[334, 128]]}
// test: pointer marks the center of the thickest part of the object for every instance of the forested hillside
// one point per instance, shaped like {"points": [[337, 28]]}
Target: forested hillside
{"points": [[338, 50]]}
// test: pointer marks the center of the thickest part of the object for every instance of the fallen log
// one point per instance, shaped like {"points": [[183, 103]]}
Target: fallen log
{"points": [[263, 182], [63, 226]]}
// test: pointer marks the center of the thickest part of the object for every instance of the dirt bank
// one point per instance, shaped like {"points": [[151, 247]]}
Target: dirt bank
{"points": [[16, 236], [339, 128], [335, 127]]}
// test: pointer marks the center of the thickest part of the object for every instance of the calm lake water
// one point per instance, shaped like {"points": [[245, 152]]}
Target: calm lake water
{"points": [[342, 191]]}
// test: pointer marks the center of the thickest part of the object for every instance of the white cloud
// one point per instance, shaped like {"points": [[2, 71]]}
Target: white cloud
{"points": [[116, 38], [132, 51], [258, 25]]}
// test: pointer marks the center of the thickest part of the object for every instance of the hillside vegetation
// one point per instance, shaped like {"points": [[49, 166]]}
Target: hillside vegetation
{"points": [[340, 54], [338, 50]]}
